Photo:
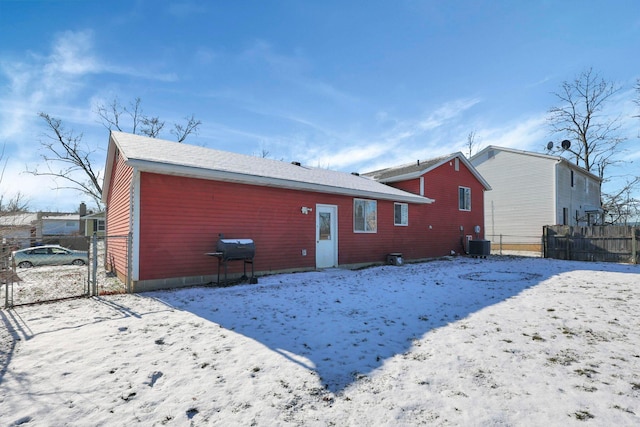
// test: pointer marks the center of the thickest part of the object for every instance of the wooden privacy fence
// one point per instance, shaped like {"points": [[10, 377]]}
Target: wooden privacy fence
{"points": [[608, 243]]}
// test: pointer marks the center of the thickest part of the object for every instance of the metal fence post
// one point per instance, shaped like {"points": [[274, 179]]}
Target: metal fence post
{"points": [[500, 243], [94, 275], [634, 246], [8, 294]]}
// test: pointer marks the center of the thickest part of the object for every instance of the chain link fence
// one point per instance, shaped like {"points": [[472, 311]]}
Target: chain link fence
{"points": [[510, 244], [59, 267], [53, 268], [104, 279]]}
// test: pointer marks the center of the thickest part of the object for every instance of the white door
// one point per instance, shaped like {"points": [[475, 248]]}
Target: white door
{"points": [[326, 236]]}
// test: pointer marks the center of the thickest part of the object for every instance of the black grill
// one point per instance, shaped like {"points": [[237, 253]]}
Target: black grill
{"points": [[235, 250]]}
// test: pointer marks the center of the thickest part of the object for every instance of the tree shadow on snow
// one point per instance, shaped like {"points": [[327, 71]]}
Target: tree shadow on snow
{"points": [[344, 324]]}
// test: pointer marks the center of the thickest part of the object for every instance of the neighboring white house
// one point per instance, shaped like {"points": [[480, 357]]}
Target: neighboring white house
{"points": [[17, 229], [58, 225], [33, 228], [531, 190]]}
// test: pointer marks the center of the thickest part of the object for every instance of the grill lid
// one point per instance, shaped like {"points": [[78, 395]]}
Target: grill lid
{"points": [[236, 248]]}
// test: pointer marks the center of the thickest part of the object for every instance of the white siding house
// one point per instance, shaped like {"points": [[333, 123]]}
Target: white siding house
{"points": [[17, 229], [58, 225], [531, 190]]}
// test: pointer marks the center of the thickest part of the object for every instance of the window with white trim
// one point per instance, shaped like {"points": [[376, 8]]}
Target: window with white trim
{"points": [[464, 198], [365, 216], [400, 214]]}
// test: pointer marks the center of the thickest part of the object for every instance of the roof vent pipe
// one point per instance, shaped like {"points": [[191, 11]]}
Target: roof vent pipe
{"points": [[296, 163], [418, 162], [355, 173]]}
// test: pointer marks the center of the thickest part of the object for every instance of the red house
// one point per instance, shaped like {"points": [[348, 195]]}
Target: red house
{"points": [[458, 192], [167, 204]]}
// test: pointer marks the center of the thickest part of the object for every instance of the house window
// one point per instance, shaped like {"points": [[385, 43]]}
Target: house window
{"points": [[325, 225], [365, 216], [565, 216], [400, 214], [100, 225], [464, 198], [572, 181]]}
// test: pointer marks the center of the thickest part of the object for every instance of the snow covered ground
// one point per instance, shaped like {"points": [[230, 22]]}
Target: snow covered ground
{"points": [[48, 283], [497, 341]]}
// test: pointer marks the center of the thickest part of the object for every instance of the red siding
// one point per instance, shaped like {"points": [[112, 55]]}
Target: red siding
{"points": [[444, 219], [182, 217], [118, 214], [411, 185]]}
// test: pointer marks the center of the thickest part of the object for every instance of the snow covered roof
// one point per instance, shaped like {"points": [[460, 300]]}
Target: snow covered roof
{"points": [[560, 159], [419, 168], [18, 220], [96, 215], [61, 217], [172, 158]]}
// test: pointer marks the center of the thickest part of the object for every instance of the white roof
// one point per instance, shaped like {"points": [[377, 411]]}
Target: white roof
{"points": [[19, 219], [172, 158], [533, 154], [62, 217], [417, 169]]}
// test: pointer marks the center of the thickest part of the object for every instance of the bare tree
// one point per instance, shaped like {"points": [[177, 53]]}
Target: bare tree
{"points": [[579, 118], [471, 143], [17, 203], [621, 207], [637, 100], [65, 148], [113, 114], [263, 154], [183, 131]]}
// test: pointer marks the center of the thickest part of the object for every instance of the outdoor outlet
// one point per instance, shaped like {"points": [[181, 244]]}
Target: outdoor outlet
{"points": [[304, 252]]}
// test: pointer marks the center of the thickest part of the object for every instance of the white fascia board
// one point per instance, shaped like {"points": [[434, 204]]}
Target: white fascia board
{"points": [[106, 180], [404, 177], [134, 226], [419, 173], [212, 174]]}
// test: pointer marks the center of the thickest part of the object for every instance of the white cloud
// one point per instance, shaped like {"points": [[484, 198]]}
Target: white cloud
{"points": [[39, 81], [527, 133], [446, 112], [348, 156], [72, 54], [39, 192], [400, 140]]}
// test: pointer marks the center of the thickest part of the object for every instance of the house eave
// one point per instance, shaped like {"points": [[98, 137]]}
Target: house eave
{"points": [[421, 172], [558, 159], [241, 178]]}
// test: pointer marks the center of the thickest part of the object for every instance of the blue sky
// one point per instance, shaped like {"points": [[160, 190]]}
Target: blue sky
{"points": [[346, 85]]}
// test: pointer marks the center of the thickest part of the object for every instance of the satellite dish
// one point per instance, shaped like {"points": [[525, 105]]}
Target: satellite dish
{"points": [[549, 145], [566, 144]]}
